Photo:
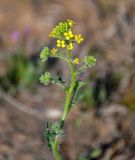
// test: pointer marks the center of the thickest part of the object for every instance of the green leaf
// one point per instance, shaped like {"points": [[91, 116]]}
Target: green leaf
{"points": [[78, 85], [81, 84], [51, 132], [59, 81], [48, 137]]}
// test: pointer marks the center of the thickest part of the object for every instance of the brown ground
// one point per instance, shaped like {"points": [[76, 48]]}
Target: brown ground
{"points": [[108, 27]]}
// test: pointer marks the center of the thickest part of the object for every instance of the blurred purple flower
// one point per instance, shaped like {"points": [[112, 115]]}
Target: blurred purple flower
{"points": [[15, 36]]}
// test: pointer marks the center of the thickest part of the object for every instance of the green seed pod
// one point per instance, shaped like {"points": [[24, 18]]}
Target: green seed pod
{"points": [[89, 61], [45, 54], [45, 78]]}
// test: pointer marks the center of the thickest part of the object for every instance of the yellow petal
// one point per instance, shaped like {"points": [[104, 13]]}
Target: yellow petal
{"points": [[62, 42], [63, 45], [58, 45], [67, 38], [58, 41], [76, 61]]}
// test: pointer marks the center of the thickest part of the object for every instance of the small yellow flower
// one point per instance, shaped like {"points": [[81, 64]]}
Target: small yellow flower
{"points": [[61, 43], [53, 51], [76, 61], [68, 35], [79, 38], [70, 22], [70, 46], [71, 34], [58, 43]]}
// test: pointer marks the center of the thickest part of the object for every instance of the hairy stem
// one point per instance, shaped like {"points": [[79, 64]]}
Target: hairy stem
{"points": [[69, 97], [57, 155], [70, 91]]}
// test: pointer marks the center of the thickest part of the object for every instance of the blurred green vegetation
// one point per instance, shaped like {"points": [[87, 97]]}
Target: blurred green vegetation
{"points": [[99, 90], [92, 155], [22, 73]]}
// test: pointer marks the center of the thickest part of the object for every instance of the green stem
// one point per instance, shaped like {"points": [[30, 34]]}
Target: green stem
{"points": [[56, 149], [65, 59], [69, 97], [70, 91]]}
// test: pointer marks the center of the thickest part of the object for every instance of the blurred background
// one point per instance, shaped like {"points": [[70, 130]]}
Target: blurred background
{"points": [[102, 125]]}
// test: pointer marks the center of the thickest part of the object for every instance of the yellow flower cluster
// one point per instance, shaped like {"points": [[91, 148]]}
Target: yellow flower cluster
{"points": [[61, 28], [65, 37], [79, 38], [61, 43], [68, 35], [76, 61]]}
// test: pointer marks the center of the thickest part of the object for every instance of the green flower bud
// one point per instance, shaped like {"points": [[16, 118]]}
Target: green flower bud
{"points": [[45, 54], [89, 61], [45, 78]]}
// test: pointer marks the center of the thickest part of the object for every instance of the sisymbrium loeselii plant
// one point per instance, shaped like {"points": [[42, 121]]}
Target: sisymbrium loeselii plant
{"points": [[65, 42]]}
